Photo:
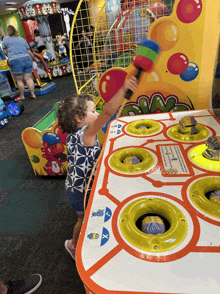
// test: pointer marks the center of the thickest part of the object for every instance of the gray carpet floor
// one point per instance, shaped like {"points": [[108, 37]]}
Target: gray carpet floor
{"points": [[35, 215]]}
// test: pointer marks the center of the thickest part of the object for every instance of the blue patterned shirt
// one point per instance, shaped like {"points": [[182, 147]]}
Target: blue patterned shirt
{"points": [[81, 160]]}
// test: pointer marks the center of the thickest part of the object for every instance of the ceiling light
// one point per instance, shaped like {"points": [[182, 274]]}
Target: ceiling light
{"points": [[11, 3]]}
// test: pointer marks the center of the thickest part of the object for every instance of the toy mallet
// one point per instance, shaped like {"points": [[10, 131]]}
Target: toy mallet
{"points": [[144, 60]]}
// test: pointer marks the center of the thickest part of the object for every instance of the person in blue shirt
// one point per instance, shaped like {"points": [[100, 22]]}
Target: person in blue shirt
{"points": [[78, 118], [20, 59]]}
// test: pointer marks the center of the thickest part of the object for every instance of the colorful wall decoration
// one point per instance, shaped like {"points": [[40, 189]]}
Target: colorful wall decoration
{"points": [[182, 78], [46, 146]]}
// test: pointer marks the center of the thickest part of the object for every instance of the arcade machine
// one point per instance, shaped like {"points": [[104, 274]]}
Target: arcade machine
{"points": [[41, 10], [46, 146], [165, 166]]}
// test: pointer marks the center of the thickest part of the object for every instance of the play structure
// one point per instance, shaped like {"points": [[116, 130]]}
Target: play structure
{"points": [[174, 174], [46, 146], [58, 64]]}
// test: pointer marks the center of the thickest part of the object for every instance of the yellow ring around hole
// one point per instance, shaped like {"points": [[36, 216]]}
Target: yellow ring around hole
{"points": [[203, 133], [147, 160], [158, 243], [197, 195], [153, 127], [197, 157]]}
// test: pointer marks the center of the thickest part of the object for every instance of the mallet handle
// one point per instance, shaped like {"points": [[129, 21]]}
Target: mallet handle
{"points": [[129, 93]]}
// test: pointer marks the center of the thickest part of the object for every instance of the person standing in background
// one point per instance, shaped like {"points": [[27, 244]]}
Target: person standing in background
{"points": [[20, 59], [39, 42]]}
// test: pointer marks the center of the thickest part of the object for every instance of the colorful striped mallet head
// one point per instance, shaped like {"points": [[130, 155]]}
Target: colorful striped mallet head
{"points": [[144, 59]]}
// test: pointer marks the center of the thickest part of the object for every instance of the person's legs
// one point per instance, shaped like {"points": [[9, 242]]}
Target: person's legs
{"points": [[77, 229], [77, 202], [28, 68], [30, 83], [20, 84], [70, 245], [3, 288]]}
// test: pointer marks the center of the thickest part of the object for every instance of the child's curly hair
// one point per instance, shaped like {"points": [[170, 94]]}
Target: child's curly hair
{"points": [[69, 108]]}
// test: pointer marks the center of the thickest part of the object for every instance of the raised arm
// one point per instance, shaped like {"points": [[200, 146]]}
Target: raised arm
{"points": [[109, 110]]}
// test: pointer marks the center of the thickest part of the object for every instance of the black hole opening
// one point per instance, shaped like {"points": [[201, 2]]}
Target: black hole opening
{"points": [[207, 194], [140, 219], [143, 127], [131, 159]]}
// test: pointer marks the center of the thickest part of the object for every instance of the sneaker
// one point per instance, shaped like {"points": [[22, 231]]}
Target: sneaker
{"points": [[25, 286], [69, 248]]}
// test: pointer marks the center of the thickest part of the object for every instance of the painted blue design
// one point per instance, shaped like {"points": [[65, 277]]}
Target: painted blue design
{"points": [[118, 131], [108, 214], [46, 29], [51, 138], [105, 236], [14, 109], [40, 27], [190, 73], [99, 213], [93, 236]]}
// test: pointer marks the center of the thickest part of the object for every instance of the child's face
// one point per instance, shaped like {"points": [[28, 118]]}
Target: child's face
{"points": [[91, 114]]}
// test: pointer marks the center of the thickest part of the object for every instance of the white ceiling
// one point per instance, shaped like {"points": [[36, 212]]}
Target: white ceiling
{"points": [[18, 3]]}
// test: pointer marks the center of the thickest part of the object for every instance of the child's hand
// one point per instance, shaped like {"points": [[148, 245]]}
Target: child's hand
{"points": [[131, 84]]}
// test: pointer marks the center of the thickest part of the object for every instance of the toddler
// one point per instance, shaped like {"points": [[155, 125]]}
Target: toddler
{"points": [[77, 116]]}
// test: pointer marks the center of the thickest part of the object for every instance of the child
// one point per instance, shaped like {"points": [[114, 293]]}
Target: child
{"points": [[39, 42], [77, 116]]}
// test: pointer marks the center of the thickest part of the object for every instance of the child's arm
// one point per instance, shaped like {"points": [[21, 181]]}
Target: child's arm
{"points": [[109, 110]]}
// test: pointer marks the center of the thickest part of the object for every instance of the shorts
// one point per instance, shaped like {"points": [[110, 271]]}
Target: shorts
{"points": [[77, 201], [21, 66]]}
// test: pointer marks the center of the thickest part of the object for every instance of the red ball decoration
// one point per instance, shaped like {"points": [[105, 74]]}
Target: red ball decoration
{"points": [[177, 63], [188, 10], [110, 82]]}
